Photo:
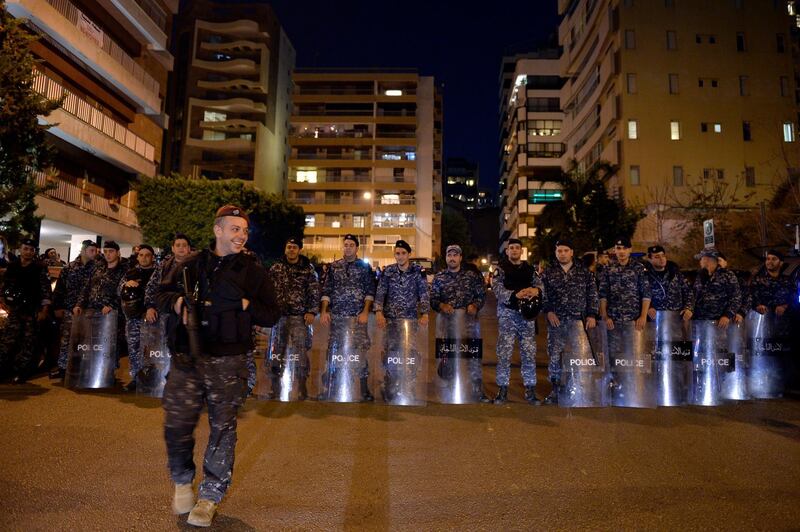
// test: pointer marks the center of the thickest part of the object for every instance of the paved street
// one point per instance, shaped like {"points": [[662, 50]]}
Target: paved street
{"points": [[96, 461]]}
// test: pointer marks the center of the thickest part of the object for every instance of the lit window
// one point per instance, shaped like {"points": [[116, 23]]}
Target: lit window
{"points": [[336, 224], [311, 220], [411, 155], [470, 182], [391, 157], [393, 92], [544, 196], [634, 175], [633, 129], [213, 135], [717, 128], [358, 221], [788, 132], [212, 116], [306, 176], [390, 199], [675, 130]]}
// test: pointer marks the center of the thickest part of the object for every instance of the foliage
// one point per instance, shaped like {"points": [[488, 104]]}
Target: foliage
{"points": [[167, 205], [455, 230], [586, 214], [23, 145]]}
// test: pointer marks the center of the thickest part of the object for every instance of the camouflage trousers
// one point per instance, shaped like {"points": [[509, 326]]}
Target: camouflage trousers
{"points": [[63, 351], [557, 339], [18, 341], [133, 333], [219, 383], [512, 326]]}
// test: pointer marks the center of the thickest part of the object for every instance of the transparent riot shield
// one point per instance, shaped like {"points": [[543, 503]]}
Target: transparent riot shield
{"points": [[92, 350], [584, 376], [733, 381], [672, 358], [630, 357], [770, 347], [405, 344], [710, 360], [346, 371], [288, 365], [459, 358], [156, 359]]}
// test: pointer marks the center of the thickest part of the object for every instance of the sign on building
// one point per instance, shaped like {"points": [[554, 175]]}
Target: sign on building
{"points": [[708, 233]]}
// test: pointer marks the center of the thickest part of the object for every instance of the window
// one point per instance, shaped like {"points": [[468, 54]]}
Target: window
{"points": [[672, 40], [633, 129], [631, 83], [720, 174], [673, 84], [634, 173], [780, 41], [712, 39], [700, 82], [698, 38], [547, 150], [544, 128], [212, 116], [749, 176], [675, 130], [784, 86], [630, 39], [704, 82], [213, 135], [717, 127], [741, 45], [747, 134], [306, 176], [704, 127], [677, 176], [544, 196], [788, 132], [358, 221], [744, 89], [311, 220]]}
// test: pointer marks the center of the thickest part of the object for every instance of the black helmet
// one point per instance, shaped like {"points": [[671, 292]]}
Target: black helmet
{"points": [[530, 307], [132, 301]]}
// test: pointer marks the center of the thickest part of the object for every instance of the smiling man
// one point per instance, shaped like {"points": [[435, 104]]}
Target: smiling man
{"points": [[228, 292]]}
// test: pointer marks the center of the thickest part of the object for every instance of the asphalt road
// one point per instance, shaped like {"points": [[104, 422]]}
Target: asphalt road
{"points": [[96, 461]]}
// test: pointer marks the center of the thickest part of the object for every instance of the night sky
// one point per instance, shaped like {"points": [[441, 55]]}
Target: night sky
{"points": [[460, 43]]}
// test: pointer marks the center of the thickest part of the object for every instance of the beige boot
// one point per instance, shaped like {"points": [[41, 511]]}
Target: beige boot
{"points": [[183, 501], [203, 513]]}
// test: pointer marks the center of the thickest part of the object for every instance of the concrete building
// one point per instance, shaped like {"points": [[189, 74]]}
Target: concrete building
{"points": [[680, 94], [461, 183], [366, 159], [109, 61], [230, 94], [531, 141]]}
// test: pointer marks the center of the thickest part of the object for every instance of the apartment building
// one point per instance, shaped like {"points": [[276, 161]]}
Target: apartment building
{"points": [[230, 94], [680, 94], [366, 159], [109, 61], [531, 141]]}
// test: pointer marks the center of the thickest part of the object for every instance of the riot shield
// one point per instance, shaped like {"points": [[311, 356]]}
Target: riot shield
{"points": [[769, 346], [672, 358], [288, 365], [405, 344], [630, 358], [92, 350], [584, 377], [709, 360], [156, 359], [459, 358], [346, 364], [733, 382]]}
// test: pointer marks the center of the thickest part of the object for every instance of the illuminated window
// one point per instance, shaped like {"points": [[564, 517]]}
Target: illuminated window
{"points": [[390, 199], [336, 224], [470, 182], [717, 127], [306, 176], [212, 116], [788, 132], [544, 196], [358, 221], [311, 220], [675, 130], [411, 155], [393, 92], [213, 135], [633, 129]]}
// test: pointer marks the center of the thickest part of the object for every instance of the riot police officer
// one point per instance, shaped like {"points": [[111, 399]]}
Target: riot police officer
{"points": [[624, 289], [132, 291], [668, 286], [181, 250], [298, 293], [26, 297], [570, 294], [349, 291], [716, 294], [516, 284], [213, 300], [402, 294], [770, 290]]}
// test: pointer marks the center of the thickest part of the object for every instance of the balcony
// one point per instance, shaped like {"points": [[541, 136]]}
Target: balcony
{"points": [[86, 201], [144, 19], [230, 66], [82, 37], [82, 125]]}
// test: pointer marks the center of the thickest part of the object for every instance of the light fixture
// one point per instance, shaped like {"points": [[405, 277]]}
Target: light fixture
{"points": [[367, 195]]}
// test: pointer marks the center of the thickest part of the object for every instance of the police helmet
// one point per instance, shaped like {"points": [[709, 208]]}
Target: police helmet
{"points": [[530, 307]]}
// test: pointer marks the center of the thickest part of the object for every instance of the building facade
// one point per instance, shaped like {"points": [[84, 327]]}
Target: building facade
{"points": [[531, 141], [366, 159], [230, 94], [680, 95], [109, 62], [461, 183]]}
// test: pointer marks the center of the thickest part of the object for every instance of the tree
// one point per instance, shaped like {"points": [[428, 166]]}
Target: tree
{"points": [[586, 214], [455, 230], [176, 204], [23, 145]]}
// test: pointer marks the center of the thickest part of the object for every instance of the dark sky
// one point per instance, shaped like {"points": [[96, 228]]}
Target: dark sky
{"points": [[460, 43]]}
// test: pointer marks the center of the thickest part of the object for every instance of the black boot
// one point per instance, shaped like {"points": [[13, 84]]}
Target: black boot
{"points": [[552, 399], [530, 396], [502, 396], [58, 374], [477, 391], [366, 396]]}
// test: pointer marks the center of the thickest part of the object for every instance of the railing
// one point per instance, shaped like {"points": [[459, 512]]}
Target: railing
{"points": [[334, 156], [85, 112], [333, 112], [397, 112], [155, 13], [331, 135], [87, 201], [299, 89], [73, 14], [328, 201], [335, 179]]}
